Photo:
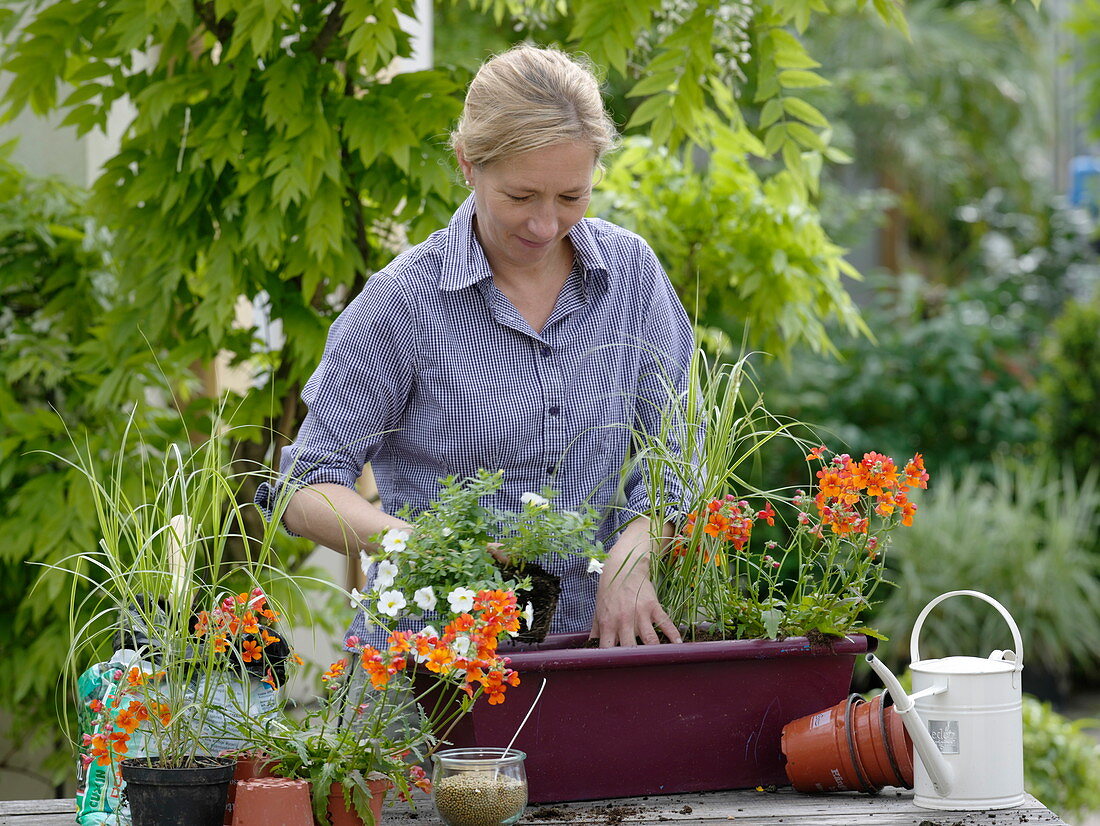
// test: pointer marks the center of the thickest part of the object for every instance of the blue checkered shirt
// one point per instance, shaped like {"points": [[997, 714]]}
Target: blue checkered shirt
{"points": [[432, 372]]}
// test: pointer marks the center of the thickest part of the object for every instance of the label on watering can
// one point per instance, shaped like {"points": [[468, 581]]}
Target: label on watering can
{"points": [[945, 734]]}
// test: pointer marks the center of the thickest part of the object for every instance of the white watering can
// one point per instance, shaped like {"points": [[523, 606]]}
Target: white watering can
{"points": [[964, 717]]}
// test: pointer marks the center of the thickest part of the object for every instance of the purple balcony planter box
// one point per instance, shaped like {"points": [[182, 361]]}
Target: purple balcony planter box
{"points": [[624, 722]]}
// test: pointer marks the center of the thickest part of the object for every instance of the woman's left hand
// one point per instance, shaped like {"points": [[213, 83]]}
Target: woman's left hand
{"points": [[627, 608]]}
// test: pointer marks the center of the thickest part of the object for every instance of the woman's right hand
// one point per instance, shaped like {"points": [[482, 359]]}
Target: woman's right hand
{"points": [[627, 608]]}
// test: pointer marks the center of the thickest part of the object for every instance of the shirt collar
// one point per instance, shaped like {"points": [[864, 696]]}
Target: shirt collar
{"points": [[464, 261]]}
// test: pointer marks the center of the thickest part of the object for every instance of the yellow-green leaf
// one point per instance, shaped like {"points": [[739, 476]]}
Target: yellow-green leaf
{"points": [[805, 112], [800, 79]]}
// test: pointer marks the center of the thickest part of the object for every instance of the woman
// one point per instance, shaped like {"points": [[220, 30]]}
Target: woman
{"points": [[523, 337]]}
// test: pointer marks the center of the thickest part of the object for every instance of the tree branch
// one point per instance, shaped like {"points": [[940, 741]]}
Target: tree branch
{"points": [[221, 29], [329, 31]]}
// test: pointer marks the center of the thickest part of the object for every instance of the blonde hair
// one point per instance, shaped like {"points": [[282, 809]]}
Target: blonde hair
{"points": [[529, 98]]}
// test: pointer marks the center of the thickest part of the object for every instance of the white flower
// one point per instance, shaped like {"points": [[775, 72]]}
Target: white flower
{"points": [[428, 631], [425, 598], [385, 575], [529, 614], [395, 540], [462, 646], [447, 531], [364, 562], [461, 600], [356, 598], [595, 566], [534, 500], [390, 603]]}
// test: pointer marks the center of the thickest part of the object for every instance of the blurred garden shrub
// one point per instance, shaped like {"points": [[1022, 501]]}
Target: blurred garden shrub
{"points": [[1061, 761], [953, 370], [744, 253], [1025, 537], [1070, 385]]}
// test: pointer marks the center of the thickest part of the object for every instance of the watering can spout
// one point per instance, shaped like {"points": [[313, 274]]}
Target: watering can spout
{"points": [[934, 763]]}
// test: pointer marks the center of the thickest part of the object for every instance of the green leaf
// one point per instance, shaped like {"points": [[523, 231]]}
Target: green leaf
{"points": [[805, 112], [789, 51], [649, 110], [653, 83], [806, 136], [774, 138], [799, 79], [771, 112]]}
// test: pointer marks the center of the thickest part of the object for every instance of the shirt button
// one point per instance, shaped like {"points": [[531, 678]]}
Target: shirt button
{"points": [[550, 471], [546, 352], [555, 410]]}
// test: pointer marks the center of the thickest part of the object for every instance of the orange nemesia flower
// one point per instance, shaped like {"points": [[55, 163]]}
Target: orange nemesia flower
{"points": [[251, 651]]}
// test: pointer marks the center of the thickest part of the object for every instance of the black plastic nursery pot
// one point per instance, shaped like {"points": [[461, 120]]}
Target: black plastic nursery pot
{"points": [[190, 796]]}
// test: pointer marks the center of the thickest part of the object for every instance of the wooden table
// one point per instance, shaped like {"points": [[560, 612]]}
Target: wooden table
{"points": [[893, 807]]}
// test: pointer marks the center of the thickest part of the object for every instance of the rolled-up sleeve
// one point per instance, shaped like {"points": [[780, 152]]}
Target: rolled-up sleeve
{"points": [[356, 395]]}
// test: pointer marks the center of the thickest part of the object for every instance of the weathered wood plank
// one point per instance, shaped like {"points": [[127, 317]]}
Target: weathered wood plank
{"points": [[892, 808], [743, 808], [38, 820], [19, 807]]}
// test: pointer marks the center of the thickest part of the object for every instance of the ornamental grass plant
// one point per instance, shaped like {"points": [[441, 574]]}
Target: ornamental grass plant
{"points": [[192, 627], [715, 578]]}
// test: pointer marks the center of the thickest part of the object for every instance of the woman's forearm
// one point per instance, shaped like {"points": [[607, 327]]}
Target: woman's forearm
{"points": [[337, 517]]}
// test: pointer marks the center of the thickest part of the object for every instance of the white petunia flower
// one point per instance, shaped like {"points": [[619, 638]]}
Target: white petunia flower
{"points": [[529, 614], [425, 598], [364, 562], [534, 500], [461, 600], [390, 603], [595, 566], [385, 575], [356, 598], [395, 540], [447, 531], [462, 646], [428, 631]]}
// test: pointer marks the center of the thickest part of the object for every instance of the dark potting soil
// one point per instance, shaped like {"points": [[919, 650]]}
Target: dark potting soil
{"points": [[543, 596], [818, 641], [610, 814], [548, 813]]}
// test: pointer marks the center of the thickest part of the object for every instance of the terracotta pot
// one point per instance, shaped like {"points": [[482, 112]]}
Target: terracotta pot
{"points": [[821, 753], [728, 700], [272, 801], [900, 745], [340, 815], [882, 744], [247, 768]]}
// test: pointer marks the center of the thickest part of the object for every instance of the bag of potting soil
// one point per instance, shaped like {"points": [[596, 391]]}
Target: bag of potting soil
{"points": [[231, 697], [225, 698], [99, 799]]}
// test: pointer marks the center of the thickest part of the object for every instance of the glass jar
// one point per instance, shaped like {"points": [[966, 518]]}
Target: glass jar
{"points": [[479, 787]]}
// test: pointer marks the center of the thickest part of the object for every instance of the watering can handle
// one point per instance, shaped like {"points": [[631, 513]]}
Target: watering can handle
{"points": [[914, 650]]}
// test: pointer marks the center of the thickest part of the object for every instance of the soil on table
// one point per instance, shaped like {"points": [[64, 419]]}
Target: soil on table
{"points": [[609, 814]]}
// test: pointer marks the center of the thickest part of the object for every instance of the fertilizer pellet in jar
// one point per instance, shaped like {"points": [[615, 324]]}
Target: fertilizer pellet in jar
{"points": [[481, 798]]}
